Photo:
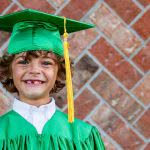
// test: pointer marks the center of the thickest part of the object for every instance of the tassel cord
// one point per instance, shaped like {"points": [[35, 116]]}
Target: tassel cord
{"points": [[68, 77]]}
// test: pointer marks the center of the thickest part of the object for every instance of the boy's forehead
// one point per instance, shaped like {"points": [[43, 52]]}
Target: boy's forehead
{"points": [[37, 54]]}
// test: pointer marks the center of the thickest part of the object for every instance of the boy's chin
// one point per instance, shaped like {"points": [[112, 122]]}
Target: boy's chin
{"points": [[35, 96]]}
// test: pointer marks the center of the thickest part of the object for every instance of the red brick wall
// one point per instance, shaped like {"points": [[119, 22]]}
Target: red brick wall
{"points": [[112, 62]]}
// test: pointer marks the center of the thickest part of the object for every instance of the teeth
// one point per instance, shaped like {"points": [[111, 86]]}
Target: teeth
{"points": [[33, 82], [29, 82], [37, 82]]}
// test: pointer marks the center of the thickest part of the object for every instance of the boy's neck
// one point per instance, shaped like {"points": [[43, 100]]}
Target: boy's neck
{"points": [[36, 102]]}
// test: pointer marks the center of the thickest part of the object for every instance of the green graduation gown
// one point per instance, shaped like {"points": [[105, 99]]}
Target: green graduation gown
{"points": [[16, 133]]}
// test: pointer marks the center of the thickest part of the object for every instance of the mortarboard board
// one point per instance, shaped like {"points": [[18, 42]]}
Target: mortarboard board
{"points": [[35, 30]]}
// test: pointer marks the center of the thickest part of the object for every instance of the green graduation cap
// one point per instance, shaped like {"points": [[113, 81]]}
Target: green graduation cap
{"points": [[35, 30]]}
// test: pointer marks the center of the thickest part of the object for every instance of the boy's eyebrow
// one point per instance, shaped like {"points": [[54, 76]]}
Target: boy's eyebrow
{"points": [[49, 57], [41, 57], [19, 57]]}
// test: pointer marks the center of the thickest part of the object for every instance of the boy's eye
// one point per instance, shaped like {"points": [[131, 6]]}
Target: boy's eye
{"points": [[47, 63], [23, 62]]}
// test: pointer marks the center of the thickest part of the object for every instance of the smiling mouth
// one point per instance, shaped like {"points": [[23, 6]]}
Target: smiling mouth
{"points": [[34, 82]]}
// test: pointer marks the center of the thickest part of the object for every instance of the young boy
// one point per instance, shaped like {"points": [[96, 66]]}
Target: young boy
{"points": [[34, 67]]}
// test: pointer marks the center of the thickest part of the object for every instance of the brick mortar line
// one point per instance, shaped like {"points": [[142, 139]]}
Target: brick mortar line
{"points": [[103, 35], [86, 49], [94, 59], [132, 96], [93, 91], [136, 34], [123, 22], [110, 139], [91, 10], [119, 83], [113, 141], [115, 14], [121, 53], [137, 3], [101, 0], [133, 64], [88, 46], [7, 8], [138, 117], [19, 4], [83, 88], [58, 10], [58, 107], [138, 49], [6, 42], [121, 117], [124, 88], [144, 146], [88, 118], [51, 3], [139, 16], [3, 47], [107, 104], [6, 93], [102, 132], [140, 81], [88, 82], [136, 52], [64, 108]]}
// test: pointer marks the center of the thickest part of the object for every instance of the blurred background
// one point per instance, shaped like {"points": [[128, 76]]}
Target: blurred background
{"points": [[112, 62]]}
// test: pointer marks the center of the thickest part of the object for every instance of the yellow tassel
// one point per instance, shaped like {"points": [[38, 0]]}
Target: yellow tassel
{"points": [[68, 77]]}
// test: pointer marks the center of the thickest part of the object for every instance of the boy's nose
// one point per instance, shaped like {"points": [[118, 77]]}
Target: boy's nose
{"points": [[34, 68]]}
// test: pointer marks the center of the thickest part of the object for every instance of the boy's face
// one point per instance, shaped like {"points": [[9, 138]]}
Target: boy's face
{"points": [[35, 77]]}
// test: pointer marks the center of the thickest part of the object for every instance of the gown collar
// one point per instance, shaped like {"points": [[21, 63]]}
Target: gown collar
{"points": [[37, 116]]}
